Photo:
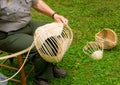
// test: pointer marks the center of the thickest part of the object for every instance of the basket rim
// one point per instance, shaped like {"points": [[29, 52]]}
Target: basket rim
{"points": [[116, 38]]}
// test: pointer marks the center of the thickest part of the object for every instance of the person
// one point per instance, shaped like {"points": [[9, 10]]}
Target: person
{"points": [[16, 33]]}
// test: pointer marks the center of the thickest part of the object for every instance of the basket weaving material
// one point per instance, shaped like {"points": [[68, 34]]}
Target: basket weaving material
{"points": [[108, 37], [52, 41], [93, 50]]}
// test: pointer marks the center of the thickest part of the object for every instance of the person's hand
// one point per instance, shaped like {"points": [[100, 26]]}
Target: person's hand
{"points": [[61, 19]]}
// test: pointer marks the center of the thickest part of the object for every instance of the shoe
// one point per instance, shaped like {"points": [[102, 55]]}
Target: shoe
{"points": [[59, 72], [40, 82]]}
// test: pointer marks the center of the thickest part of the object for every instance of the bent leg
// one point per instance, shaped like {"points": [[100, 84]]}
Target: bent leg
{"points": [[17, 42]]}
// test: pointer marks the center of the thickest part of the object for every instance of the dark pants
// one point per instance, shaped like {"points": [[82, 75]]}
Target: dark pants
{"points": [[23, 38]]}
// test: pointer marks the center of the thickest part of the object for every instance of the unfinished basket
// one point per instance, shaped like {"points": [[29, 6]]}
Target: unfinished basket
{"points": [[52, 41], [108, 37], [93, 50]]}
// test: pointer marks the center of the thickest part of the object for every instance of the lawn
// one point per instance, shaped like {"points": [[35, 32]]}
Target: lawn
{"points": [[86, 18]]}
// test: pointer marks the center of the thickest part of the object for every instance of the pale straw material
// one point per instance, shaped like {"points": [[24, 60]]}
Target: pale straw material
{"points": [[108, 37], [93, 50], [52, 41]]}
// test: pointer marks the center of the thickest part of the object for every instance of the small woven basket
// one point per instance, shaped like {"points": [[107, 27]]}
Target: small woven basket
{"points": [[107, 37], [93, 50]]}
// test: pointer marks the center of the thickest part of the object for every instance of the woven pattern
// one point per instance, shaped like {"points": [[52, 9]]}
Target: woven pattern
{"points": [[52, 41], [93, 50], [108, 37]]}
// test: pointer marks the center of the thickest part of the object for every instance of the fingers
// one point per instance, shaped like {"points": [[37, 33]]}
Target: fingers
{"points": [[64, 21], [61, 19]]}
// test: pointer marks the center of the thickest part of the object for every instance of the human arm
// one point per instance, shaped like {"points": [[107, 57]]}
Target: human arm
{"points": [[42, 7]]}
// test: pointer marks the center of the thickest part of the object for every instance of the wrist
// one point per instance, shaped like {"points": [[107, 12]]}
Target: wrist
{"points": [[53, 14]]}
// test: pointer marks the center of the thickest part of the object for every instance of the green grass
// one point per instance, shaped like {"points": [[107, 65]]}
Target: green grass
{"points": [[86, 18]]}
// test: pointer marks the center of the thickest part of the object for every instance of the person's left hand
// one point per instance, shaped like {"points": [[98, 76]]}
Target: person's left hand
{"points": [[61, 19]]}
